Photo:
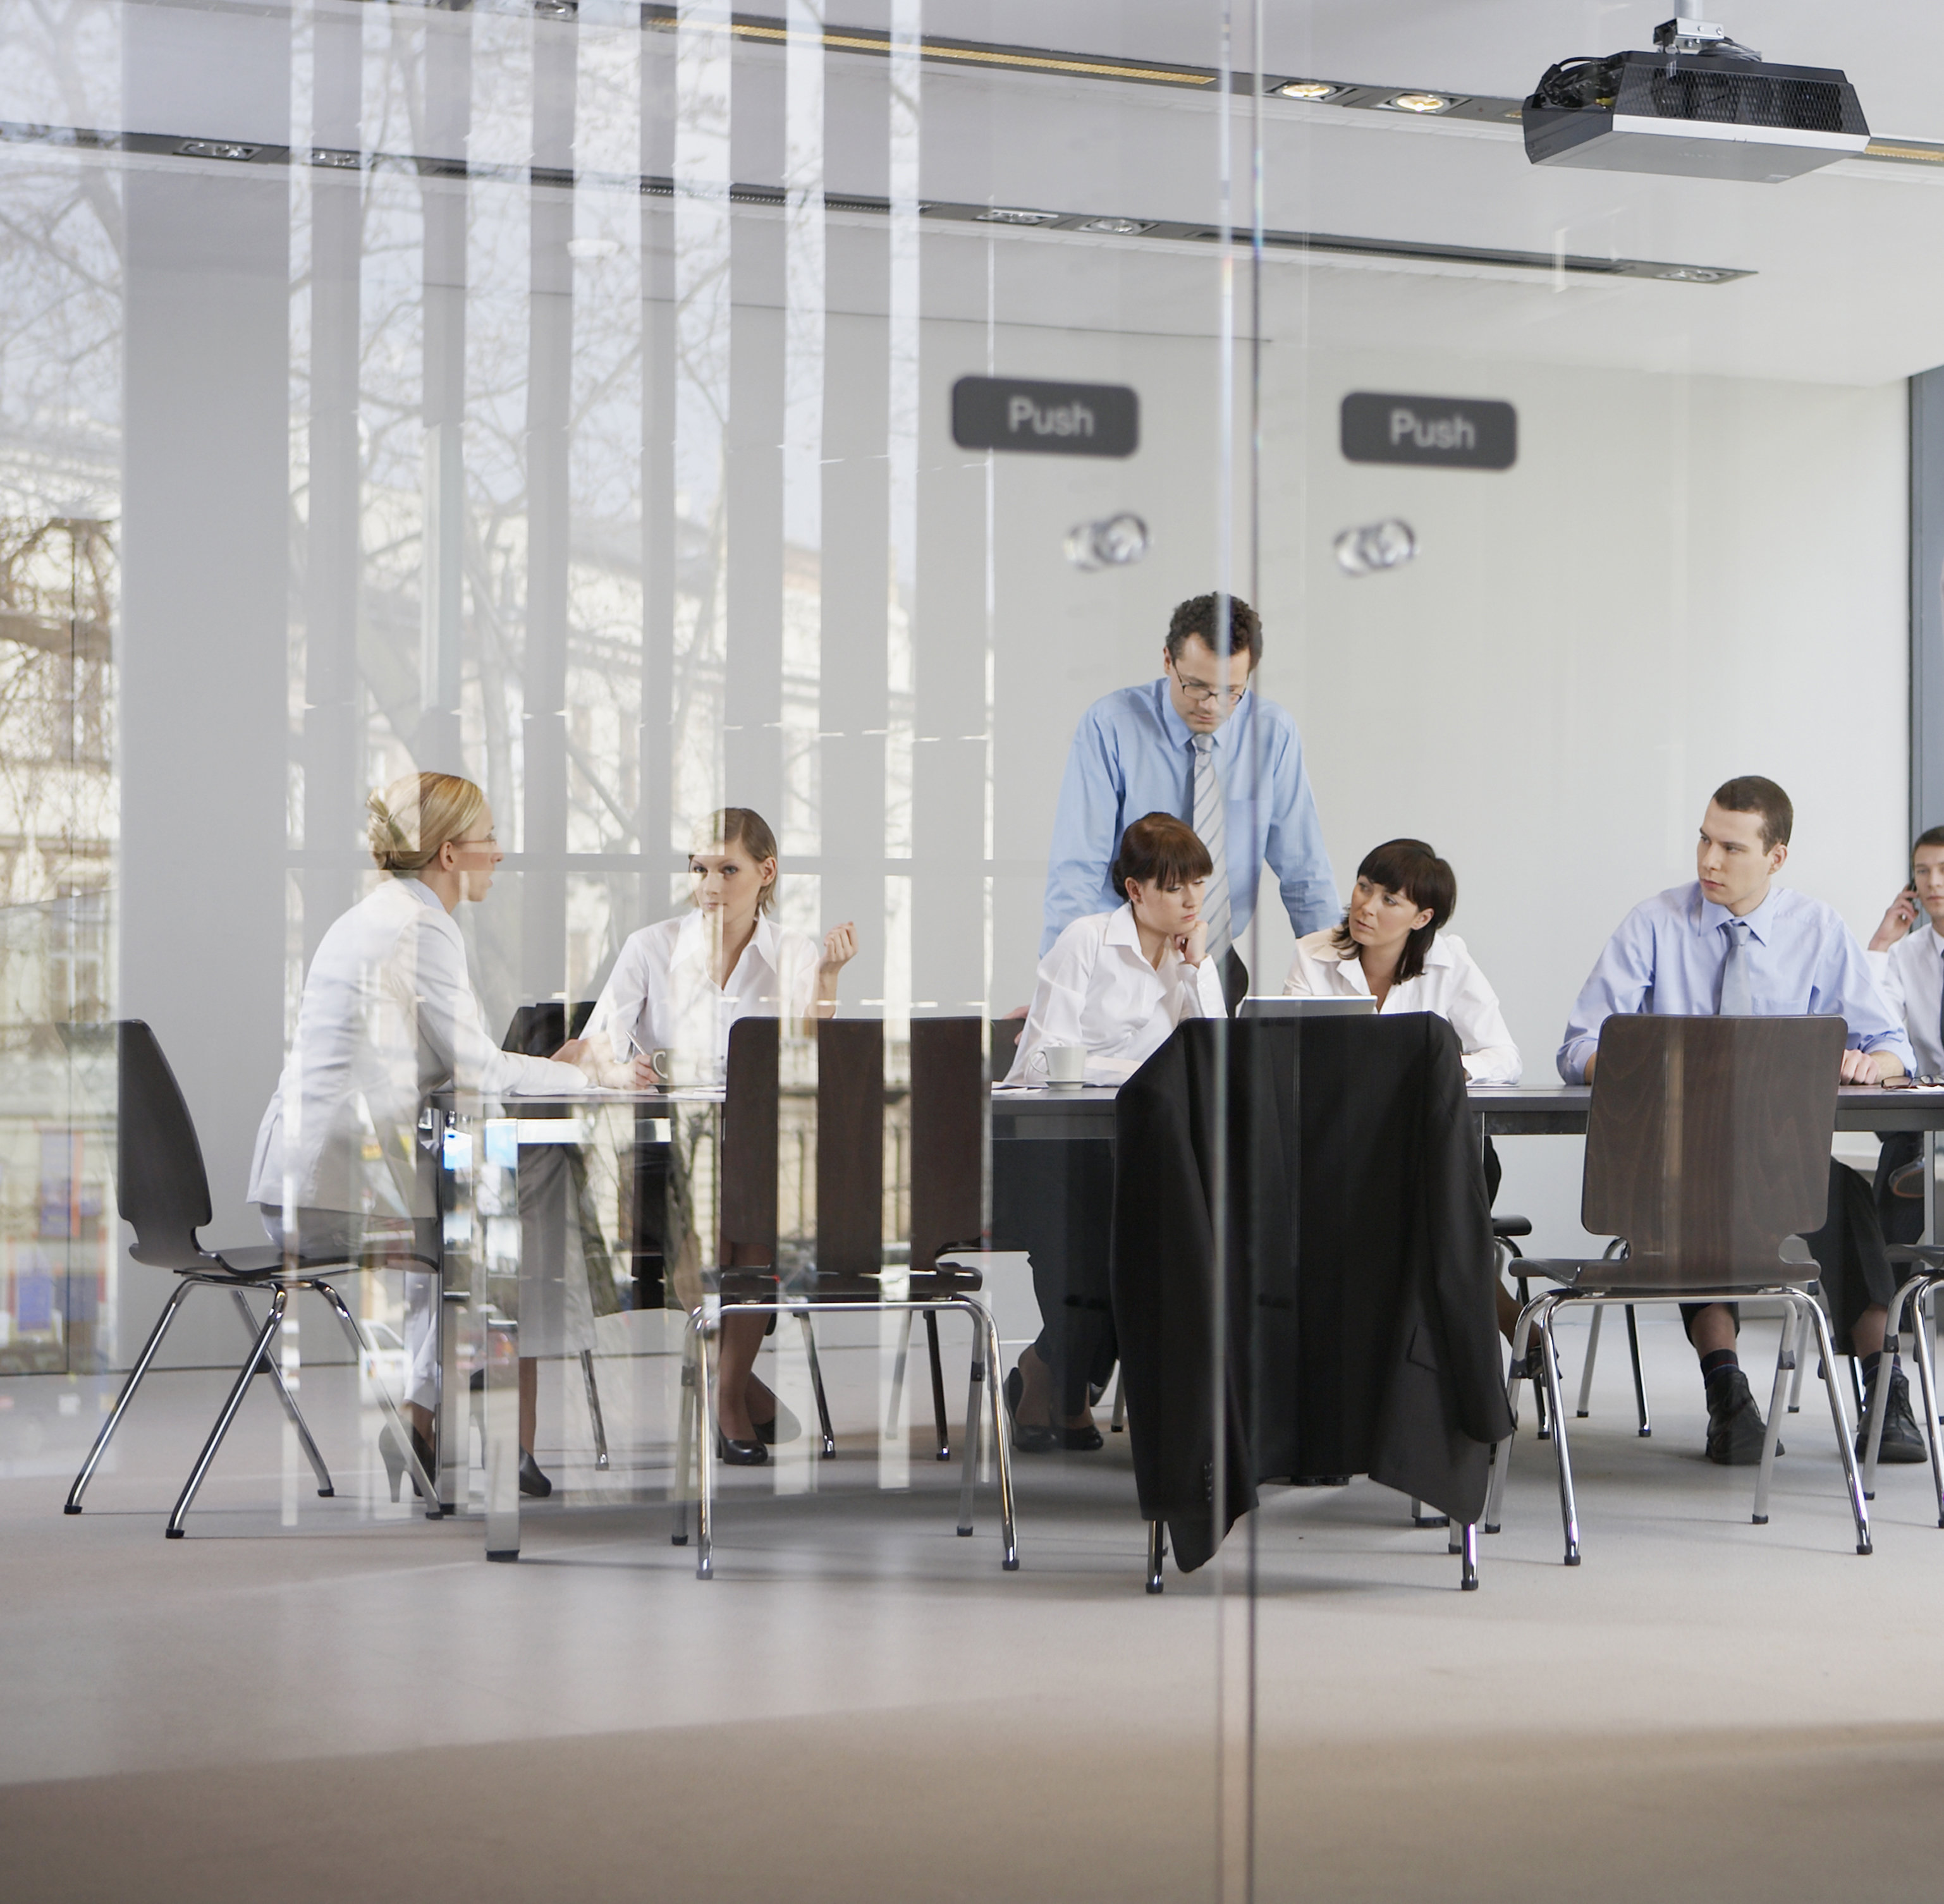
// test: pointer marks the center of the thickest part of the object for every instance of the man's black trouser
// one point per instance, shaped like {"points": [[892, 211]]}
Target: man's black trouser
{"points": [[1850, 1262]]}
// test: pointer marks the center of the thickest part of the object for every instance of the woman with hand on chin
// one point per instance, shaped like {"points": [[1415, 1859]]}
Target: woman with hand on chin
{"points": [[1391, 948], [1119, 983], [676, 989]]}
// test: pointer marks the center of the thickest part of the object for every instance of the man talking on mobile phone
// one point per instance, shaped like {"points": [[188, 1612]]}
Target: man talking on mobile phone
{"points": [[1907, 955]]}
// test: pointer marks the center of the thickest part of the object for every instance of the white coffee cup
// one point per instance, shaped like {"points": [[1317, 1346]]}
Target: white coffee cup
{"points": [[1065, 1065]]}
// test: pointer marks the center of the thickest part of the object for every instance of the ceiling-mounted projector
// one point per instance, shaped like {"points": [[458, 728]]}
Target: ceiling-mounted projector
{"points": [[1700, 106]]}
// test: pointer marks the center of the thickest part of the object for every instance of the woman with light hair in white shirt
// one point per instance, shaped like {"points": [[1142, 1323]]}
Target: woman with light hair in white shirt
{"points": [[388, 1015], [675, 990], [1119, 983]]}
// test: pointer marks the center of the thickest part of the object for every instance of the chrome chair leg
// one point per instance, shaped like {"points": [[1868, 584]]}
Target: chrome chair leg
{"points": [[704, 1463], [1853, 1480], [177, 1297], [1468, 1572], [325, 1490], [995, 1415], [1640, 1381], [1592, 1351], [1156, 1553], [265, 1338], [685, 1445], [937, 1385], [970, 1477], [817, 1386], [594, 1409], [1119, 1423], [1502, 1451], [898, 1379], [1569, 1511], [1926, 1376], [428, 1491], [1785, 1364]]}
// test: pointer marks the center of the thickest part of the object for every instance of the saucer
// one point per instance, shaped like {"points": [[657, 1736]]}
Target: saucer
{"points": [[1078, 1084]]}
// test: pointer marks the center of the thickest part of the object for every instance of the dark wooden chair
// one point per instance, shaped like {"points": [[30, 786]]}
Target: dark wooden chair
{"points": [[1707, 1151], [848, 1271], [162, 1188]]}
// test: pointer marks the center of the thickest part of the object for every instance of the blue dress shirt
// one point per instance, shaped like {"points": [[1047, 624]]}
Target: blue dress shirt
{"points": [[1667, 958], [1133, 754]]}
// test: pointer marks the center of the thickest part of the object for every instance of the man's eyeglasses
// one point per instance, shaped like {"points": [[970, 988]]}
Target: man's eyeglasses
{"points": [[1202, 690], [1905, 1082]]}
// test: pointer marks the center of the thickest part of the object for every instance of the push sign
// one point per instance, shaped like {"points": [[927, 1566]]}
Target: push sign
{"points": [[1004, 413], [1455, 433]]}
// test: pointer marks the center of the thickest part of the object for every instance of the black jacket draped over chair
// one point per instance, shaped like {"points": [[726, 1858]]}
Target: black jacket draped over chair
{"points": [[1358, 1268]]}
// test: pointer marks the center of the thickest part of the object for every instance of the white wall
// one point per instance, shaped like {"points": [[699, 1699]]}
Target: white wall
{"points": [[1682, 578]]}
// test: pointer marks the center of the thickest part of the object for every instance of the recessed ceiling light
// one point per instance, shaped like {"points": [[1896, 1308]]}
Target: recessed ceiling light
{"points": [[1689, 274], [1309, 89], [336, 157], [1119, 227], [215, 149], [1016, 215], [1419, 103]]}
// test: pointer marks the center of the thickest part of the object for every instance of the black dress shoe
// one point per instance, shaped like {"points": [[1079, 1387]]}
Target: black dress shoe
{"points": [[1030, 1440], [782, 1426], [740, 1454], [1735, 1429], [1081, 1440], [1902, 1440], [532, 1481]]}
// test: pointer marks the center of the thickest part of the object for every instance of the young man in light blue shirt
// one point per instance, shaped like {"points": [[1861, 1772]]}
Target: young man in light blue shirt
{"points": [[1734, 943], [1198, 743]]}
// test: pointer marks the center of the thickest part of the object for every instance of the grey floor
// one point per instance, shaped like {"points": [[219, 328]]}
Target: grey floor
{"points": [[311, 1699]]}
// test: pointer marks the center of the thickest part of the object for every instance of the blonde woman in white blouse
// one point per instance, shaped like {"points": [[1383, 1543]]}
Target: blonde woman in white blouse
{"points": [[1389, 948], [675, 990]]}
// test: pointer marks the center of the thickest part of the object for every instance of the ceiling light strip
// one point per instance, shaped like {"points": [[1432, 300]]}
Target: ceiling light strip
{"points": [[851, 39], [226, 156]]}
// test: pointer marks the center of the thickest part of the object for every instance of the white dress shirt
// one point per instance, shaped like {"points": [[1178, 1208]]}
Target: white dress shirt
{"points": [[1911, 978], [661, 995], [1096, 989], [388, 1014], [1450, 985]]}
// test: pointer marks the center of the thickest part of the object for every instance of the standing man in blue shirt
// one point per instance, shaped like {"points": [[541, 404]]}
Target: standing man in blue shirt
{"points": [[1198, 743], [1735, 944]]}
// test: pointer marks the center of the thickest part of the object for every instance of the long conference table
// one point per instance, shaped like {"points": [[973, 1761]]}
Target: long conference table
{"points": [[1047, 1113], [481, 1146]]}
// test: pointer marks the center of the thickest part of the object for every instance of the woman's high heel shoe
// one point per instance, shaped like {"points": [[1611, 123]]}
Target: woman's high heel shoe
{"points": [[740, 1454], [782, 1426], [532, 1483], [1028, 1440], [392, 1452]]}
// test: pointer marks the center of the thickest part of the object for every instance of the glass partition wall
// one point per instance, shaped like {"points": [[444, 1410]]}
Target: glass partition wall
{"points": [[645, 411], [575, 399]]}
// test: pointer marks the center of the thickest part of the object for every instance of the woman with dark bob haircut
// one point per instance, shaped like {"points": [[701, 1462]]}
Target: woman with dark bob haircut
{"points": [[1117, 983], [1391, 947]]}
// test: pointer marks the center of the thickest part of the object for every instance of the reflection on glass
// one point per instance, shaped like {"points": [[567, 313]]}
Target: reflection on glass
{"points": [[1115, 542], [1377, 546]]}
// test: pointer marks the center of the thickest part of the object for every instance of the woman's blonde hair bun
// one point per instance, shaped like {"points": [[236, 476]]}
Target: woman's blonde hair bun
{"points": [[415, 815]]}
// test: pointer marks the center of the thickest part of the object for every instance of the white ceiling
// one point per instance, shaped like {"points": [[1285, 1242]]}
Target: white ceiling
{"points": [[1849, 263]]}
